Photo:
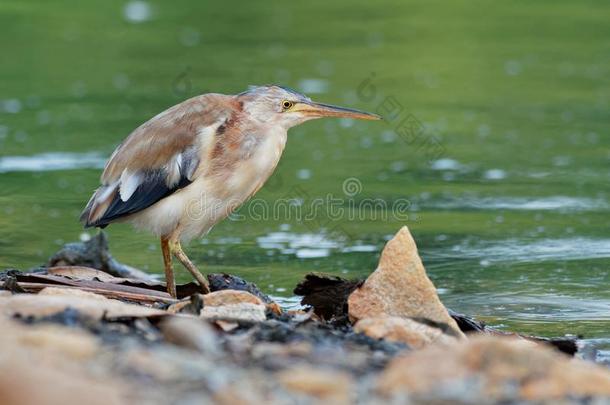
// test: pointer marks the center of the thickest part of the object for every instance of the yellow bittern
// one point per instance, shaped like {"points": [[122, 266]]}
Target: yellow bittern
{"points": [[189, 167]]}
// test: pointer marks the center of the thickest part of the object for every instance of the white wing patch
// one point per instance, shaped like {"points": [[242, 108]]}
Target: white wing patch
{"points": [[105, 191], [174, 170], [129, 183]]}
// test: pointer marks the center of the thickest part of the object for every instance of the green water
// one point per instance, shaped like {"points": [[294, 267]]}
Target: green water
{"points": [[506, 182]]}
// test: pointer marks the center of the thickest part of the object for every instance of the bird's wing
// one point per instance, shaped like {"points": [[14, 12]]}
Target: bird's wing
{"points": [[157, 159]]}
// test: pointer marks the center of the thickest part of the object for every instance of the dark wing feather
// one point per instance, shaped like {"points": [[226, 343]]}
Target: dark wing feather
{"points": [[151, 190]]}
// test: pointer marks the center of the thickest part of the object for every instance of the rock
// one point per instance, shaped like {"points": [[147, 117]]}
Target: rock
{"points": [[399, 287], [325, 385], [319, 344], [233, 305], [43, 364], [52, 300], [179, 307], [415, 334], [171, 364], [226, 326], [494, 368], [70, 343], [22, 384], [191, 333], [237, 312], [275, 308], [230, 297], [191, 305]]}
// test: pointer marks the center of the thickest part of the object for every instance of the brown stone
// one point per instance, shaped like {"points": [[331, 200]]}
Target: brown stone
{"points": [[229, 297], [399, 287], [233, 305], [22, 384], [44, 364], [505, 369], [415, 334], [275, 308], [226, 326], [69, 343], [191, 333], [179, 306], [329, 386]]}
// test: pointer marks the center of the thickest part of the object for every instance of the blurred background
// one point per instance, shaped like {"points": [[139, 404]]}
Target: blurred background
{"points": [[510, 210]]}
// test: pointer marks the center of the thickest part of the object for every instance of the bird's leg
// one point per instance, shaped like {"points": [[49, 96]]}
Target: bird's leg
{"points": [[169, 270], [180, 255]]}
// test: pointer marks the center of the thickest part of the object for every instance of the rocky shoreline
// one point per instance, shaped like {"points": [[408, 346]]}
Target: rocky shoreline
{"points": [[86, 328]]}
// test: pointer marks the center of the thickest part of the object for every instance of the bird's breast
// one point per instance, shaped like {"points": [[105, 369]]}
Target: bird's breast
{"points": [[246, 165]]}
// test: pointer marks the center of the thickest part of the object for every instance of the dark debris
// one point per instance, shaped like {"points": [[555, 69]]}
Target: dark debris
{"points": [[110, 331], [224, 281]]}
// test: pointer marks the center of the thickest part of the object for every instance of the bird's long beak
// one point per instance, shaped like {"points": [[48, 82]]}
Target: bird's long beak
{"points": [[325, 110]]}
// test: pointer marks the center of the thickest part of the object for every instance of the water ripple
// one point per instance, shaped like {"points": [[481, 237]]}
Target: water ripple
{"points": [[52, 161], [521, 250], [551, 203], [309, 245], [540, 307]]}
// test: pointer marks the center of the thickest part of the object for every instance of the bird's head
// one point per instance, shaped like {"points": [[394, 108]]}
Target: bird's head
{"points": [[276, 105]]}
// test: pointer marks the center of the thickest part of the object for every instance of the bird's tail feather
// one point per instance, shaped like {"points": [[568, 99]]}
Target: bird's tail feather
{"points": [[97, 206]]}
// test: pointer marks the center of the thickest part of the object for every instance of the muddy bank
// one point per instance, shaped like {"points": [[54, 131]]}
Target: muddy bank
{"points": [[87, 328]]}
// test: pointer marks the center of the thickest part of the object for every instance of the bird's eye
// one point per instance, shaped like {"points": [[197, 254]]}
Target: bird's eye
{"points": [[286, 104]]}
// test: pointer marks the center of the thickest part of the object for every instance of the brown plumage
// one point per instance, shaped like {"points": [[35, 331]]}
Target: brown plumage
{"points": [[189, 167]]}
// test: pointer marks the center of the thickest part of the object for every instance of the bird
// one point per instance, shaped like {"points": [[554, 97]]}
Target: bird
{"points": [[189, 167]]}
